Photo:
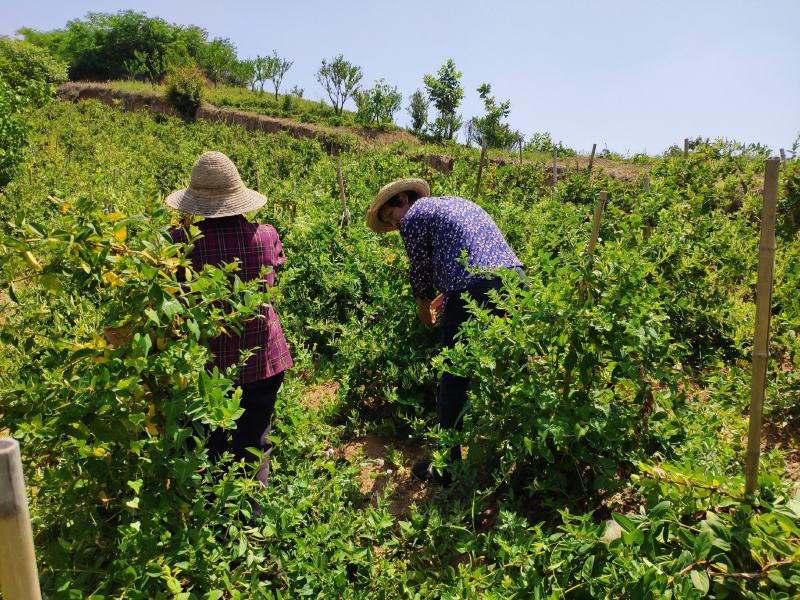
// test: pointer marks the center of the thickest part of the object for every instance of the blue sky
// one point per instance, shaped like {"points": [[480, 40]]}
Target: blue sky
{"points": [[629, 75]]}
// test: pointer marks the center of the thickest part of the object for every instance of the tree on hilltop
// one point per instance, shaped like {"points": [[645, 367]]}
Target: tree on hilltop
{"points": [[418, 110], [340, 79], [446, 93], [490, 128], [275, 67]]}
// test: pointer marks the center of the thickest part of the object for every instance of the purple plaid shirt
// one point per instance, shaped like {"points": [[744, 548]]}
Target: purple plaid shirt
{"points": [[255, 246]]}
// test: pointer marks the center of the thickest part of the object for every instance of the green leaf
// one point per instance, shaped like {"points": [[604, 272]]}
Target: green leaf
{"points": [[624, 522], [135, 485], [586, 571], [50, 282], [152, 315], [12, 293], [700, 580], [660, 509], [775, 576], [703, 544], [194, 328]]}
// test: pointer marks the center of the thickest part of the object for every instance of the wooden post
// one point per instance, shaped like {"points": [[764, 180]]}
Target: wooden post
{"points": [[591, 158], [598, 215], [342, 196], [19, 579], [783, 157], [647, 183], [555, 168], [685, 147], [480, 169], [521, 144], [766, 263]]}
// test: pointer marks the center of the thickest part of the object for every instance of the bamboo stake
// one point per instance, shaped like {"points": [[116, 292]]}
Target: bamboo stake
{"points": [[647, 184], [591, 158], [685, 147], [480, 169], [19, 579], [555, 169], [521, 143], [342, 196], [766, 263], [783, 157]]}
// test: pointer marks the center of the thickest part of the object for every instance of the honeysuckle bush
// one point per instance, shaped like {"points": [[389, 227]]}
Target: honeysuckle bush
{"points": [[623, 398]]}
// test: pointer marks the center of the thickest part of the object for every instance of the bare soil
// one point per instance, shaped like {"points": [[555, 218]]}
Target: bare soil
{"points": [[321, 395], [379, 478], [784, 436]]}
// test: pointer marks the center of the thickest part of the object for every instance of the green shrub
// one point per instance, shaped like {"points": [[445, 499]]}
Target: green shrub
{"points": [[184, 90], [30, 70], [377, 105], [13, 132]]}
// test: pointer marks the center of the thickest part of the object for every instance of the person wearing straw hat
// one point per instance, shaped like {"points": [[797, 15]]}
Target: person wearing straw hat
{"points": [[217, 194], [437, 233]]}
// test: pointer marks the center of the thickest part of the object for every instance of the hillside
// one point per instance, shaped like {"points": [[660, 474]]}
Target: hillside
{"points": [[608, 413], [131, 96]]}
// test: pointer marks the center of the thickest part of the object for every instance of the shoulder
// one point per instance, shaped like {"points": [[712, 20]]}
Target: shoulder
{"points": [[266, 230]]}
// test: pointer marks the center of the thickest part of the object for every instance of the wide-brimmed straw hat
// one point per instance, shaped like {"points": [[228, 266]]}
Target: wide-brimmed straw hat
{"points": [[389, 191], [216, 189]]}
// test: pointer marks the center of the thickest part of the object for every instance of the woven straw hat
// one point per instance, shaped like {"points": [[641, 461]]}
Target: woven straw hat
{"points": [[389, 191], [216, 189]]}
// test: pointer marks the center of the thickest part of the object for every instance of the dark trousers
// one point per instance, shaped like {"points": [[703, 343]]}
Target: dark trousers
{"points": [[253, 427], [451, 396]]}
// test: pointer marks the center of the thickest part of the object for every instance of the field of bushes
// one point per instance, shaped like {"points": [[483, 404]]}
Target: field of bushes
{"points": [[607, 423]]}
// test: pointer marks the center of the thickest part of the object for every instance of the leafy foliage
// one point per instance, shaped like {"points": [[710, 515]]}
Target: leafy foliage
{"points": [[418, 111], [183, 89], [13, 132], [446, 93], [377, 105], [613, 389], [340, 78], [31, 71], [489, 127], [543, 142], [110, 46]]}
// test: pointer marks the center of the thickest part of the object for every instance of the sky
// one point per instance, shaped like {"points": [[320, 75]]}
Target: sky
{"points": [[631, 76]]}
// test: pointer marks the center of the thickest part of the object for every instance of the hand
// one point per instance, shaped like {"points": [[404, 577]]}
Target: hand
{"points": [[424, 312], [436, 304]]}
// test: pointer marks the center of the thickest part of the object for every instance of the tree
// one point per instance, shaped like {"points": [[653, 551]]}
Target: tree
{"points": [[217, 59], [261, 64], [244, 73], [418, 110], [376, 106], [340, 79], [446, 93], [276, 68], [489, 127], [110, 46], [543, 142]]}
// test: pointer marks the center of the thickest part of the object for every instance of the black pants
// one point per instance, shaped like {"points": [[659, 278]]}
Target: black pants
{"points": [[451, 396], [253, 427]]}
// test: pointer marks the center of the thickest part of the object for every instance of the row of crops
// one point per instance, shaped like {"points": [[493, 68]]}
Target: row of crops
{"points": [[614, 390]]}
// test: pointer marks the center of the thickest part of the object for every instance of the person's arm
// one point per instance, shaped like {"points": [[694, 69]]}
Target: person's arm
{"points": [[277, 250], [416, 237]]}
